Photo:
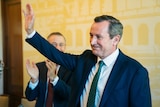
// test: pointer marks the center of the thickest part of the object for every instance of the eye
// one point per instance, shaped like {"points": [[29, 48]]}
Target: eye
{"points": [[99, 36], [61, 44], [91, 36], [54, 44]]}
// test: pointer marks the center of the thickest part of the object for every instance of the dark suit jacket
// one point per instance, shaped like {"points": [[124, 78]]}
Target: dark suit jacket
{"points": [[127, 86], [61, 89]]}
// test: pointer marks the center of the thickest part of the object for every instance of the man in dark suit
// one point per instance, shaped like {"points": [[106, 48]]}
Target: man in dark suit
{"points": [[123, 81], [47, 71]]}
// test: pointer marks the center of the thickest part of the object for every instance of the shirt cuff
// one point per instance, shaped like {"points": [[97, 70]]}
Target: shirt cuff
{"points": [[54, 82], [33, 85], [31, 35]]}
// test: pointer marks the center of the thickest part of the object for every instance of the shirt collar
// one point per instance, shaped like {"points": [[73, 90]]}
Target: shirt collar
{"points": [[111, 58]]}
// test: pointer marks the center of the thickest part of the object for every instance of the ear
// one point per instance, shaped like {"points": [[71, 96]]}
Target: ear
{"points": [[116, 39]]}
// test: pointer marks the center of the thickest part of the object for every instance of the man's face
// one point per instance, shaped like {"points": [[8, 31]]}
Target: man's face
{"points": [[58, 42], [102, 45]]}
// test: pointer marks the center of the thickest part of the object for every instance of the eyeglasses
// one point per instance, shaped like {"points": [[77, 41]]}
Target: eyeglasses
{"points": [[60, 44]]}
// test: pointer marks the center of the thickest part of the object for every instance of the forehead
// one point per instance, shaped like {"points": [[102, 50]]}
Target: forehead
{"points": [[56, 38], [99, 27]]}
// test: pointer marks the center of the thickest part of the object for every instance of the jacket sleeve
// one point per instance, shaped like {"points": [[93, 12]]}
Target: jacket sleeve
{"points": [[140, 92], [31, 94], [62, 90], [49, 51]]}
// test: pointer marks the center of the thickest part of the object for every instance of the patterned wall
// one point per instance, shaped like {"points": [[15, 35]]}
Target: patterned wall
{"points": [[141, 38]]}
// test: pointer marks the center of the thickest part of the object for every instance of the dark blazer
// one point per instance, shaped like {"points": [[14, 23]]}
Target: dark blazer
{"points": [[127, 86], [61, 89]]}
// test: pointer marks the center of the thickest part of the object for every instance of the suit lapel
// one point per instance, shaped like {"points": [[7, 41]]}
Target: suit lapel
{"points": [[113, 78], [88, 66], [60, 71], [42, 71]]}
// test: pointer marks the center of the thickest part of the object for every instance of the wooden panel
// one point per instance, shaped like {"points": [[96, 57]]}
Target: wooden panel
{"points": [[4, 99], [27, 103], [12, 38]]}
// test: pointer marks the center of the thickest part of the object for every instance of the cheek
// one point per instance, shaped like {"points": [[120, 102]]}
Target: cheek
{"points": [[62, 49], [102, 43], [106, 45]]}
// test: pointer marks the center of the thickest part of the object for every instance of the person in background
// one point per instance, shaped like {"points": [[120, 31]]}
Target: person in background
{"points": [[103, 76], [46, 72]]}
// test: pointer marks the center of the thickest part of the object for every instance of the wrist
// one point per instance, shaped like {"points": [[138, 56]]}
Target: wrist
{"points": [[30, 31], [34, 80], [51, 79], [56, 79]]}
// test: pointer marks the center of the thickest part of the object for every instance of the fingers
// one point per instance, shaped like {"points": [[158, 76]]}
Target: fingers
{"points": [[34, 65], [27, 63], [50, 64], [51, 74], [28, 11], [47, 63], [28, 7], [28, 67], [51, 69], [32, 70], [29, 19]]}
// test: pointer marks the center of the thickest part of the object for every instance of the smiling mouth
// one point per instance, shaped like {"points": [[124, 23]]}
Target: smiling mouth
{"points": [[95, 48]]}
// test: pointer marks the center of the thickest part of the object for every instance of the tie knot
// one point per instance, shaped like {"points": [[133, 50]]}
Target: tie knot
{"points": [[101, 63]]}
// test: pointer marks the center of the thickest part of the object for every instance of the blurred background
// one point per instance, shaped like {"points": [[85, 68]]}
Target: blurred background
{"points": [[73, 18]]}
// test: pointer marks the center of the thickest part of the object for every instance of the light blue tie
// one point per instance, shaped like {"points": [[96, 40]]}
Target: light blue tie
{"points": [[92, 93]]}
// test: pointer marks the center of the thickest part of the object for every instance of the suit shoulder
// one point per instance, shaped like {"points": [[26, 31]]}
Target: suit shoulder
{"points": [[87, 52], [131, 61]]}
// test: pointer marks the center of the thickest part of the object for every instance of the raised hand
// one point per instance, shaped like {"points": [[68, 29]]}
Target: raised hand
{"points": [[32, 71], [51, 74], [29, 19]]}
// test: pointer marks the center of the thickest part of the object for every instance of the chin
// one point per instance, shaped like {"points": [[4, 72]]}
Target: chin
{"points": [[95, 52]]}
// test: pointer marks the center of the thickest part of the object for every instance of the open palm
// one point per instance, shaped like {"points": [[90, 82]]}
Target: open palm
{"points": [[29, 19], [32, 70]]}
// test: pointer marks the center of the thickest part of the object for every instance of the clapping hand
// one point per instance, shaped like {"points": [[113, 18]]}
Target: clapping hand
{"points": [[51, 74], [32, 71]]}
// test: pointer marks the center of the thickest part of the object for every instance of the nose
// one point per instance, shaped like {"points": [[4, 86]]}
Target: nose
{"points": [[58, 47], [93, 40]]}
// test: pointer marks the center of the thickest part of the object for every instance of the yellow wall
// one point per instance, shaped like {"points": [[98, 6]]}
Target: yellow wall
{"points": [[141, 38]]}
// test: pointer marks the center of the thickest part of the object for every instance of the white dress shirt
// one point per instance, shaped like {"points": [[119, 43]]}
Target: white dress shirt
{"points": [[105, 72]]}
